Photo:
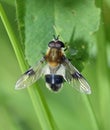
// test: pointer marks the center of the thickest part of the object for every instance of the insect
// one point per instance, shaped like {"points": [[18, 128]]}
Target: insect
{"points": [[56, 68]]}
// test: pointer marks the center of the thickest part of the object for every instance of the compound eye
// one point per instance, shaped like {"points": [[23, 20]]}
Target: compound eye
{"points": [[56, 44], [51, 44], [61, 44]]}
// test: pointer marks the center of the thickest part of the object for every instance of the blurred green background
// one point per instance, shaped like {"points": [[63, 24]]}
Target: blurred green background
{"points": [[70, 109]]}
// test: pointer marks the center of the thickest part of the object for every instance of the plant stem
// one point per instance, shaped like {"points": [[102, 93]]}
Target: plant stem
{"points": [[91, 113], [41, 109], [16, 46]]}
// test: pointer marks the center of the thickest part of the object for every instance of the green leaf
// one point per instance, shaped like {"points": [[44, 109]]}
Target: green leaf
{"points": [[72, 20]]}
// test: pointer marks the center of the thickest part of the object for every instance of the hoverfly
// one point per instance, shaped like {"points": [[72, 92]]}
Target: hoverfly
{"points": [[56, 68]]}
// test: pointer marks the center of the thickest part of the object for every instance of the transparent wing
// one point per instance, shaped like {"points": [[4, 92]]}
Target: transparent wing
{"points": [[30, 76], [75, 78]]}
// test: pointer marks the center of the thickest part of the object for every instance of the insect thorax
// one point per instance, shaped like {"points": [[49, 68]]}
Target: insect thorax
{"points": [[54, 56]]}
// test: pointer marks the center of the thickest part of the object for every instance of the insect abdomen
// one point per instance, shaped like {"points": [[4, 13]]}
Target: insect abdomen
{"points": [[54, 81]]}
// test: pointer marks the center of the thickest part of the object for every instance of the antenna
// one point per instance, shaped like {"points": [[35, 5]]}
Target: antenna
{"points": [[56, 38]]}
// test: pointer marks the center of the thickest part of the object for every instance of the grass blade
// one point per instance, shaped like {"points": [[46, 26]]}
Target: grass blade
{"points": [[39, 103]]}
